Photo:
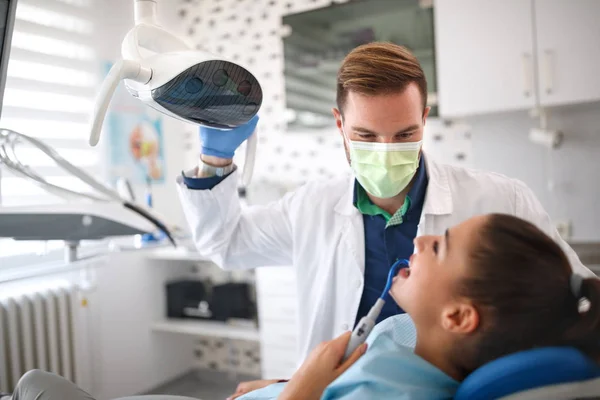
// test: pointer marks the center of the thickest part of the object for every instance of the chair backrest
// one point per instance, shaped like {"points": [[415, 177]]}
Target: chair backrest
{"points": [[528, 370]]}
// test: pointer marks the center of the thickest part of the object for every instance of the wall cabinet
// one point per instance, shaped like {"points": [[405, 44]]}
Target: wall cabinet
{"points": [[507, 55], [568, 50]]}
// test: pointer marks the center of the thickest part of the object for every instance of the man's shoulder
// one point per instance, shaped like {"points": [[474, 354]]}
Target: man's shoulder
{"points": [[476, 177], [483, 191]]}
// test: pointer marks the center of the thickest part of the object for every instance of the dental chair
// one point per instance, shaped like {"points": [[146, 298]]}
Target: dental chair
{"points": [[550, 373]]}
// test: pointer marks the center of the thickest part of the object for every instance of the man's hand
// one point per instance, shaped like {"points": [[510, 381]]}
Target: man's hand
{"points": [[223, 143], [246, 387], [323, 366]]}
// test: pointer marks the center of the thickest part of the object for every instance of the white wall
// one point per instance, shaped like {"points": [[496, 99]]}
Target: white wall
{"points": [[500, 144]]}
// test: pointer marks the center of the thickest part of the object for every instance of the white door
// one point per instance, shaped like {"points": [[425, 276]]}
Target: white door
{"points": [[568, 44], [484, 56]]}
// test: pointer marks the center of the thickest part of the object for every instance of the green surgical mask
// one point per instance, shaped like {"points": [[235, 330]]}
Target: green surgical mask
{"points": [[384, 169]]}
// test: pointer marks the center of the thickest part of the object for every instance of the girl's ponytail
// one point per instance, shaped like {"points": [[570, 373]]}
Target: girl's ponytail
{"points": [[585, 331]]}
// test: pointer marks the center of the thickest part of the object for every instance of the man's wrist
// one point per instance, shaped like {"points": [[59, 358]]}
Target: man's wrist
{"points": [[210, 166], [214, 161]]}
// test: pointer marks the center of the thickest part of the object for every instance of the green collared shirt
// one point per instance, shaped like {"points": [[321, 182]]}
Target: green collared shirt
{"points": [[366, 207]]}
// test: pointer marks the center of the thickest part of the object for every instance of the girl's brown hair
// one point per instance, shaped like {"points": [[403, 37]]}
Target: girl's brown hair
{"points": [[519, 280]]}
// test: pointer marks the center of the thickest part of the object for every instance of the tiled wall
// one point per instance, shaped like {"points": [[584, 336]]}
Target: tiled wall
{"points": [[224, 355], [250, 32]]}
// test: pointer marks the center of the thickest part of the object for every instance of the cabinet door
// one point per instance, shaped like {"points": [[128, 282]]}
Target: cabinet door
{"points": [[484, 56], [568, 45]]}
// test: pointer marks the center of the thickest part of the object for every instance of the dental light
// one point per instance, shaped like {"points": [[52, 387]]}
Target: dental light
{"points": [[165, 73]]}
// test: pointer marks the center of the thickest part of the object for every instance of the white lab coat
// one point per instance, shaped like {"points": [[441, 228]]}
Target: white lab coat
{"points": [[318, 230]]}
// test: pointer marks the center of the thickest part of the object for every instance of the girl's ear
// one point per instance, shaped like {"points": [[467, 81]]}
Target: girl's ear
{"points": [[460, 318]]}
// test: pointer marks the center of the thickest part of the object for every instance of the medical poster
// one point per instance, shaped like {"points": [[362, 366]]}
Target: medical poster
{"points": [[134, 134]]}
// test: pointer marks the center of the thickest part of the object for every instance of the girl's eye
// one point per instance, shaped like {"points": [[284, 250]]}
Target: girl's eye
{"points": [[435, 246]]}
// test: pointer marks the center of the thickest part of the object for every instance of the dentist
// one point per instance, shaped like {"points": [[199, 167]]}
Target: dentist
{"points": [[341, 235]]}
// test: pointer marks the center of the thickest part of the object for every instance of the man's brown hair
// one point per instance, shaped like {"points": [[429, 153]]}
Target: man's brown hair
{"points": [[379, 68]]}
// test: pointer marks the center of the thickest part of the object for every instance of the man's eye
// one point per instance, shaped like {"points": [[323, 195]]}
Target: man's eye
{"points": [[435, 246], [407, 135]]}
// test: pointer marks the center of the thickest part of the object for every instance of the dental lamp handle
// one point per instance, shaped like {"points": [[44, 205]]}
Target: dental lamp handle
{"points": [[122, 69], [250, 158], [363, 329]]}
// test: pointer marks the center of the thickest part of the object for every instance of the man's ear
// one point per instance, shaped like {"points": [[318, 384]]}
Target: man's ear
{"points": [[426, 114], [338, 119], [460, 318]]}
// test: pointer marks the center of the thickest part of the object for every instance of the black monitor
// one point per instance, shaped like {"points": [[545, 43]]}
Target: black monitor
{"points": [[7, 23]]}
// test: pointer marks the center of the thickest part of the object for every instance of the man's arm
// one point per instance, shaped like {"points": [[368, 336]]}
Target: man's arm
{"points": [[530, 209], [232, 238], [222, 232], [204, 178]]}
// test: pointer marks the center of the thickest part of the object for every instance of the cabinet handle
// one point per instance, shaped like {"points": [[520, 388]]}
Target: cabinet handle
{"points": [[548, 66], [527, 74]]}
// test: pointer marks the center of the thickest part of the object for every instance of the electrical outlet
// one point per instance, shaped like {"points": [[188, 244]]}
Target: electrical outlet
{"points": [[564, 228]]}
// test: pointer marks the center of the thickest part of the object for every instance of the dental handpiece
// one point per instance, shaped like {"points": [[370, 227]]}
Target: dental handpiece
{"points": [[363, 328], [365, 325]]}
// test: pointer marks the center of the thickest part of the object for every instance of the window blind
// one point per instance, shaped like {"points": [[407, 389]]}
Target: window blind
{"points": [[51, 82]]}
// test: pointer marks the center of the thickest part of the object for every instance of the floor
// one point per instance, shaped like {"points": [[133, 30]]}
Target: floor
{"points": [[203, 385]]}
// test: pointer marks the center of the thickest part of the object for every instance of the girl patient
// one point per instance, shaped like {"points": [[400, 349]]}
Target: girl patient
{"points": [[491, 286]]}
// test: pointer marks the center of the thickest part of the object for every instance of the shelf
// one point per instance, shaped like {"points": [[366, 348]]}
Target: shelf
{"points": [[72, 221], [208, 328], [173, 254]]}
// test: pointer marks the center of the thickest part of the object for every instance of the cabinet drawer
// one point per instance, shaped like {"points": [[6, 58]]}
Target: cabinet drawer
{"points": [[279, 335], [277, 309], [275, 291], [276, 281], [278, 372], [281, 362]]}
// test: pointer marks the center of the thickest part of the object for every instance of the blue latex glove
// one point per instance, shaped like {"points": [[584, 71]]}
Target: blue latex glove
{"points": [[222, 144]]}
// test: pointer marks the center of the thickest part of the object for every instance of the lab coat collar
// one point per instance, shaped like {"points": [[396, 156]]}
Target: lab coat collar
{"points": [[438, 197], [345, 205]]}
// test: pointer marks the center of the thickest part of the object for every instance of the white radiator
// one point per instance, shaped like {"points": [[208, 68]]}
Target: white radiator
{"points": [[40, 330]]}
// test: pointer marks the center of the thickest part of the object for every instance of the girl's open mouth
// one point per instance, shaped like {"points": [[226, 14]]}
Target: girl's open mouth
{"points": [[404, 273]]}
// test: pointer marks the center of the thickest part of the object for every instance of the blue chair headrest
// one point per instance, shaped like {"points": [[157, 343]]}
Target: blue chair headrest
{"points": [[527, 370]]}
